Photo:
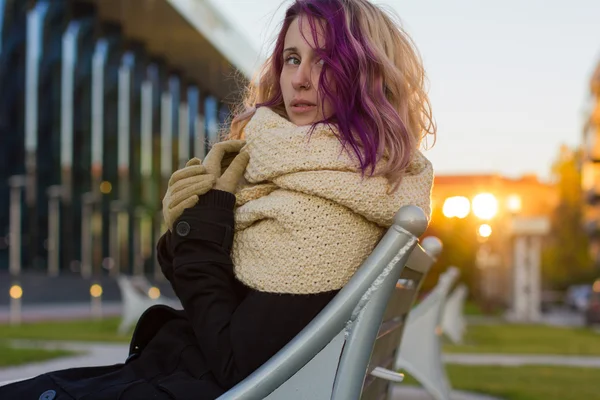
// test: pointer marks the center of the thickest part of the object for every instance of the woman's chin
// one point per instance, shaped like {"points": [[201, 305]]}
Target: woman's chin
{"points": [[302, 120]]}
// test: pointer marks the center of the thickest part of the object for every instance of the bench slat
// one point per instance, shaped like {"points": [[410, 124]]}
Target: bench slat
{"points": [[390, 332], [389, 326], [385, 348], [376, 389], [402, 299]]}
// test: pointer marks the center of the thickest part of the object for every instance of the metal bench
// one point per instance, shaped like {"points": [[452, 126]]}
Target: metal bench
{"points": [[420, 351], [347, 347]]}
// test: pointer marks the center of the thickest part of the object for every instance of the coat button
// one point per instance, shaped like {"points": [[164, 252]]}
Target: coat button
{"points": [[183, 228], [48, 395]]}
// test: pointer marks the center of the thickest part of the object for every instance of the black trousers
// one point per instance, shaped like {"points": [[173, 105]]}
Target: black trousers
{"points": [[169, 368], [114, 382], [90, 383]]}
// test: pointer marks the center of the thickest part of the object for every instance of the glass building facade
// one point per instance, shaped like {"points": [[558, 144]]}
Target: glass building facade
{"points": [[95, 123]]}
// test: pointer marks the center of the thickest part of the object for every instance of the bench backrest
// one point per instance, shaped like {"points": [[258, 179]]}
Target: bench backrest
{"points": [[395, 316], [329, 358]]}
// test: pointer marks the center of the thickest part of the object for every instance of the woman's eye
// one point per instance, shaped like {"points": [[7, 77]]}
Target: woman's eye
{"points": [[292, 60], [321, 62]]}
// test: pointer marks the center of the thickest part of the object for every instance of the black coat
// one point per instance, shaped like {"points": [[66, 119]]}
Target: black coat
{"points": [[225, 331]]}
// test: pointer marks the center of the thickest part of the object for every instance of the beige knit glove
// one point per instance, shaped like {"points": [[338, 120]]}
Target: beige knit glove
{"points": [[222, 156], [184, 188]]}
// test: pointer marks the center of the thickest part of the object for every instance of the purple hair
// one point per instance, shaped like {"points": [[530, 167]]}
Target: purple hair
{"points": [[352, 81]]}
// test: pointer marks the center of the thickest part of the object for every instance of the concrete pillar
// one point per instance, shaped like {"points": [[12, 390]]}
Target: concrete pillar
{"points": [[117, 209], [87, 234], [17, 184], [535, 287], [521, 277], [527, 247], [54, 196]]}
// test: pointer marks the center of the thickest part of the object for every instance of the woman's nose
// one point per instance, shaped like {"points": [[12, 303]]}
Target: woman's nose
{"points": [[301, 79]]}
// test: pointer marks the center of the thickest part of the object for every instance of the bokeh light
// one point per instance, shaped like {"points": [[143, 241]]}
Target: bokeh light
{"points": [[16, 292], [485, 231], [154, 293], [96, 290], [105, 187], [485, 206], [457, 206], [513, 203]]}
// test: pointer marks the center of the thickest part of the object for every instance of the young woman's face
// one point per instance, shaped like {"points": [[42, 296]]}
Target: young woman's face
{"points": [[299, 78]]}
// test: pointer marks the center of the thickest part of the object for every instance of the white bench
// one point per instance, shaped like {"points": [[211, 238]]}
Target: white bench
{"points": [[136, 299], [454, 324]]}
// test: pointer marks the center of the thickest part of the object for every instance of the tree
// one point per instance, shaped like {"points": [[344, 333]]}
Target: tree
{"points": [[566, 257], [460, 243]]}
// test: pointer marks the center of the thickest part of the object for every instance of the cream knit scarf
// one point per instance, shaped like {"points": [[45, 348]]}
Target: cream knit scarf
{"points": [[305, 218]]}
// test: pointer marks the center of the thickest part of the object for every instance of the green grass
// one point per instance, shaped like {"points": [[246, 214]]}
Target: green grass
{"points": [[475, 309], [84, 330], [472, 308], [528, 339], [12, 356], [526, 383]]}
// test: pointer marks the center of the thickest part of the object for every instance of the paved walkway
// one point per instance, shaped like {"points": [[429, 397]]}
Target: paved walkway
{"points": [[91, 354], [515, 360], [59, 311], [407, 392]]}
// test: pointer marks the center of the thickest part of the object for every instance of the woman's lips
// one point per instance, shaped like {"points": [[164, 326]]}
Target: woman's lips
{"points": [[302, 108]]}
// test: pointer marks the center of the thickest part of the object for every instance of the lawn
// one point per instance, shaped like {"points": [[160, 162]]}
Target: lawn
{"points": [[526, 383], [528, 339], [12, 356], [83, 330]]}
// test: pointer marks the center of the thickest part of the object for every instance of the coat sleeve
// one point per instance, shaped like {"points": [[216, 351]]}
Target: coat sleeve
{"points": [[237, 328]]}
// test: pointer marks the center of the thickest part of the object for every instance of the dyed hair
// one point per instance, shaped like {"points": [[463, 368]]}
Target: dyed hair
{"points": [[372, 76]]}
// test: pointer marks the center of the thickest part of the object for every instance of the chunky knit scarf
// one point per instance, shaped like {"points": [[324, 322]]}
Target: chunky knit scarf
{"points": [[306, 219]]}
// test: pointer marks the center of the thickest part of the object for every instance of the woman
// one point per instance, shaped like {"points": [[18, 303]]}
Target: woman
{"points": [[327, 146]]}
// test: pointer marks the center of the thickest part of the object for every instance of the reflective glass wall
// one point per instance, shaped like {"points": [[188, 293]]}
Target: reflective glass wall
{"points": [[91, 127]]}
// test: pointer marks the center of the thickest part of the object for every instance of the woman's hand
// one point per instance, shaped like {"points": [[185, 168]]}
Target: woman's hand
{"points": [[197, 178], [184, 188], [221, 157]]}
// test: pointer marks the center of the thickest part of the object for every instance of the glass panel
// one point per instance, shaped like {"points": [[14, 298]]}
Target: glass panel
{"points": [[82, 135], [175, 91], [211, 118], [45, 27], [13, 36]]}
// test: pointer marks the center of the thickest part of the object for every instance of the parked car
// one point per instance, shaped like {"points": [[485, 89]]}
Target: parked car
{"points": [[578, 297], [592, 313]]}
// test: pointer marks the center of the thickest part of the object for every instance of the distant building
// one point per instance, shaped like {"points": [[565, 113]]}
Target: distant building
{"points": [[535, 198], [101, 101], [591, 167], [454, 196]]}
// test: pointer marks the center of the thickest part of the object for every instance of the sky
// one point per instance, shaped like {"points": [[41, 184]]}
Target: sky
{"points": [[508, 80]]}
